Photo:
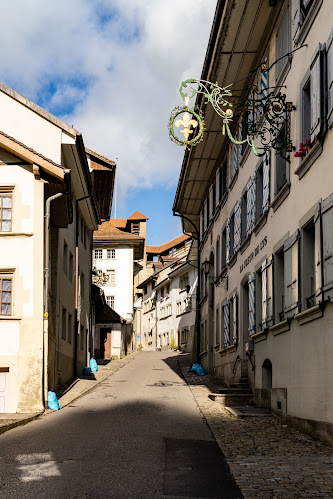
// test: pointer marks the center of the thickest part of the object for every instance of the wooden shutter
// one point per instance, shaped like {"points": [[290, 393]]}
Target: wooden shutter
{"points": [[291, 276], [327, 253], [252, 303], [296, 19], [237, 226], [265, 182], [329, 52], [263, 80], [234, 159], [267, 292], [316, 94], [228, 253], [217, 187], [226, 325], [249, 203], [318, 251], [235, 321]]}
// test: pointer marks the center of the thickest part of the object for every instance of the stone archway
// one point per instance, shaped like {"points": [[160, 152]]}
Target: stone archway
{"points": [[267, 375]]}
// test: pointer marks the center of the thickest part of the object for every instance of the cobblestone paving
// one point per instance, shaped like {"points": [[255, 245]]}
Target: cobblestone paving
{"points": [[267, 458]]}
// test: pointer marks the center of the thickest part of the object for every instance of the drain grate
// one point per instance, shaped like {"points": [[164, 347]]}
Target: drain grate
{"points": [[249, 411]]}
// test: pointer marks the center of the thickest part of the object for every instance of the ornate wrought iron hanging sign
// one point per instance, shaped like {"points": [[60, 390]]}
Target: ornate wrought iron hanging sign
{"points": [[265, 115]]}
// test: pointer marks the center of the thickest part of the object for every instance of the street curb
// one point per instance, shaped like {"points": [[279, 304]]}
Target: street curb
{"points": [[20, 422]]}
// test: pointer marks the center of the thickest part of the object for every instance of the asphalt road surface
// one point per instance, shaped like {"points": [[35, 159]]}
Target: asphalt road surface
{"points": [[139, 433]]}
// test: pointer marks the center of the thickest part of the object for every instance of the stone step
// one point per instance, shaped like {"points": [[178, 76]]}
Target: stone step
{"points": [[239, 385], [237, 391], [231, 399]]}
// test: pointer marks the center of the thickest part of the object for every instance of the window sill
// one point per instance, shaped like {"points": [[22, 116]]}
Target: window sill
{"points": [[10, 318], [305, 28], [281, 196], [309, 315], [202, 301], [309, 159], [245, 244], [223, 352], [281, 327], [26, 234], [231, 349], [216, 348], [203, 353], [260, 223], [259, 336], [183, 313]]}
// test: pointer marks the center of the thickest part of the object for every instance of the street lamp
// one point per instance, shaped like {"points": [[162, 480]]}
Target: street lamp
{"points": [[206, 266], [219, 281]]}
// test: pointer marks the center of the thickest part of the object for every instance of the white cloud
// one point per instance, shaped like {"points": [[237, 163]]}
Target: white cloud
{"points": [[131, 56]]}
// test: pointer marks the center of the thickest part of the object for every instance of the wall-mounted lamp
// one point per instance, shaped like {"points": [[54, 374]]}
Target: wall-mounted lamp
{"points": [[218, 281]]}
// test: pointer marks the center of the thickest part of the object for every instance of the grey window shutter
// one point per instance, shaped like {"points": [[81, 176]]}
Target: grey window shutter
{"points": [[205, 214], [316, 86], [296, 19], [318, 258], [235, 324], [249, 203], [237, 226], [291, 276], [253, 205], [228, 240], [329, 52], [267, 292], [217, 187], [265, 183], [327, 227], [226, 325], [201, 223], [252, 303]]}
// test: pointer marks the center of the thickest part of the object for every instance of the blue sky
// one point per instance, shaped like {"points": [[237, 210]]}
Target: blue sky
{"points": [[112, 69]]}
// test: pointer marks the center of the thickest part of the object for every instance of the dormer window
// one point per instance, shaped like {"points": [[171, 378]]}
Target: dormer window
{"points": [[135, 228]]}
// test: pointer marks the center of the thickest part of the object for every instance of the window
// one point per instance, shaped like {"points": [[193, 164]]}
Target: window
{"points": [[6, 294], [112, 277], [233, 160], [65, 258], [162, 293], [250, 206], [135, 229], [82, 340], [308, 291], [291, 276], [304, 13], [98, 254], [226, 324], [279, 286], [306, 110], [283, 45], [324, 250], [213, 198], [6, 209], [230, 237], [281, 167], [63, 324], [111, 254], [183, 281], [145, 290], [233, 319], [70, 326], [169, 309], [184, 335], [187, 306], [110, 301], [70, 266], [218, 256], [259, 185], [267, 318], [179, 307], [258, 301]]}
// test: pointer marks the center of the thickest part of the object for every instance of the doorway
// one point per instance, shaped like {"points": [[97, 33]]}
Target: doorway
{"points": [[105, 343]]}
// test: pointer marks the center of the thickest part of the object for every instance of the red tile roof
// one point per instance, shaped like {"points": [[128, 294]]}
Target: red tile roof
{"points": [[118, 222], [93, 153], [168, 245], [106, 229], [137, 216]]}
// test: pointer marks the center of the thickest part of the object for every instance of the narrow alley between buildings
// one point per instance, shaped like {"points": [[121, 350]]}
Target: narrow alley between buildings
{"points": [[142, 432]]}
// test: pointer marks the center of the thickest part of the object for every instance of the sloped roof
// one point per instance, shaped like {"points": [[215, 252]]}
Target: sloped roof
{"points": [[118, 222], [168, 245], [103, 158], [137, 216], [109, 230]]}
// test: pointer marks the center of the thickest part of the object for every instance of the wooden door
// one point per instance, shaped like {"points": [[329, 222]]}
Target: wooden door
{"points": [[105, 336], [4, 378]]}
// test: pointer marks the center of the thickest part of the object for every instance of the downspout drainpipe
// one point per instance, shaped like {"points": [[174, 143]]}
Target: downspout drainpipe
{"points": [[46, 287], [76, 323], [198, 314]]}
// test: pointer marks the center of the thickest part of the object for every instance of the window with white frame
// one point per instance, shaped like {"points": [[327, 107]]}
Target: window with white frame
{"points": [[110, 301], [183, 281], [308, 270], [304, 13], [226, 324], [187, 304], [112, 277], [279, 285], [224, 248], [98, 254], [111, 254], [6, 209], [179, 307], [6, 297]]}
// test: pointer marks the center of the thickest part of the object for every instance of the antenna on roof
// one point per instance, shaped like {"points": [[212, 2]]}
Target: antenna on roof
{"points": [[115, 191]]}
